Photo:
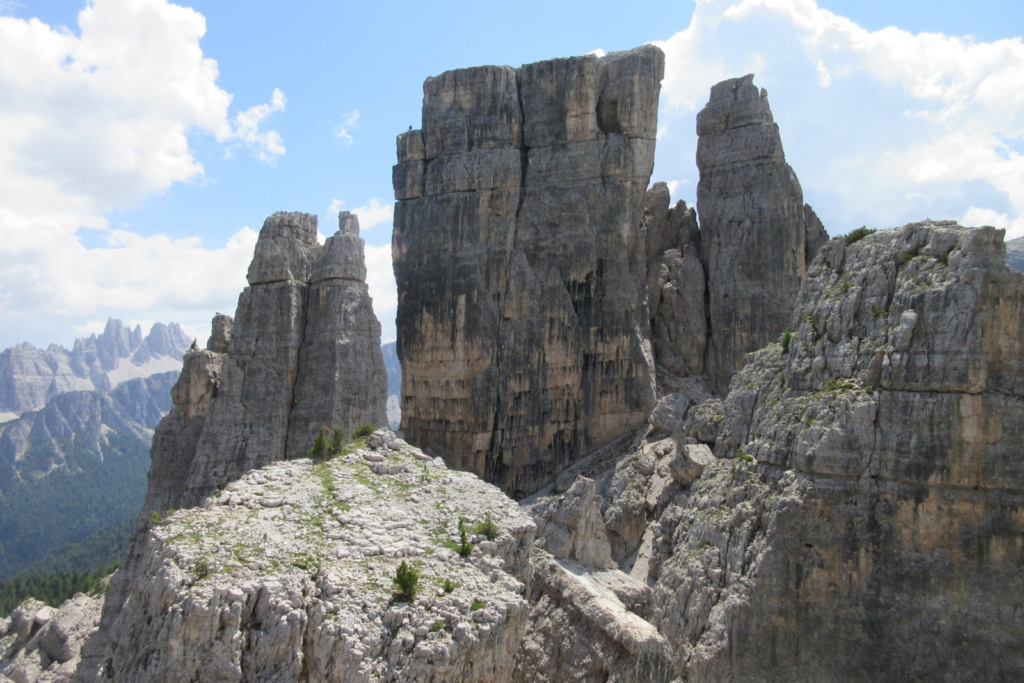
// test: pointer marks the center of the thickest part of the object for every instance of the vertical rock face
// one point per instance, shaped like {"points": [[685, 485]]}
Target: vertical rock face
{"points": [[303, 352], [676, 286], [341, 378], [522, 326], [880, 535], [753, 222]]}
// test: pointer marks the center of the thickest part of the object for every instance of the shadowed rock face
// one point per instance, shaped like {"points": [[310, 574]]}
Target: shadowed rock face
{"points": [[757, 235], [522, 324]]}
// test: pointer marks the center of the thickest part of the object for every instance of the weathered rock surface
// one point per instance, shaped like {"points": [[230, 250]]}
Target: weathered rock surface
{"points": [[40, 643], [287, 574], [30, 377], [302, 353], [756, 234], [676, 286], [519, 261], [879, 535]]}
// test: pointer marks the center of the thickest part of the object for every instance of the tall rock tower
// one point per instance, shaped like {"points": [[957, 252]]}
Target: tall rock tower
{"points": [[522, 325], [303, 352], [753, 222]]}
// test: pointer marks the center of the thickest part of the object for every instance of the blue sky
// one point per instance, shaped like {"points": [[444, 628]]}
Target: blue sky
{"points": [[142, 143]]}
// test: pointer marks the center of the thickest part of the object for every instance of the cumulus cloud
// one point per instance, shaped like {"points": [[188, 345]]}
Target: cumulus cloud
{"points": [[267, 145], [94, 121], [882, 127], [350, 121]]}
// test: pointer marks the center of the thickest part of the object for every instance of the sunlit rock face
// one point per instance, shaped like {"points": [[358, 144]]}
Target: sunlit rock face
{"points": [[757, 235]]}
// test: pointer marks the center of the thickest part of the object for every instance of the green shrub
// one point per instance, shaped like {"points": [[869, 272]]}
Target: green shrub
{"points": [[787, 336], [858, 234], [202, 569], [465, 546], [447, 585], [337, 441], [154, 517], [363, 430], [407, 579], [477, 604], [319, 449], [488, 528]]}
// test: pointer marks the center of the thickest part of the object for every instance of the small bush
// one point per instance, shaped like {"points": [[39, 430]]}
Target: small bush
{"points": [[477, 604], [488, 528], [858, 234], [447, 585], [202, 569], [154, 517], [787, 336], [363, 430], [337, 441], [465, 546], [407, 579], [319, 449]]}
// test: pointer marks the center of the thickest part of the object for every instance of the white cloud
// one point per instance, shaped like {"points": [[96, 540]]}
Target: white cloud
{"points": [[343, 130], [380, 278], [95, 121], [370, 215], [266, 145], [882, 127]]}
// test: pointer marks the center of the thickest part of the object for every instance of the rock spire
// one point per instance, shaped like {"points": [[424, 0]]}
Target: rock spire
{"points": [[757, 235]]}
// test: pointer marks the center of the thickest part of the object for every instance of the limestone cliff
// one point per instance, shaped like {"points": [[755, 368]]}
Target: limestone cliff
{"points": [[868, 526], [757, 235], [520, 263]]}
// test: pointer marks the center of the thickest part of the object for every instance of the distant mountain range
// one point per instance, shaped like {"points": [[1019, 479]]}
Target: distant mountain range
{"points": [[1015, 253], [75, 432]]}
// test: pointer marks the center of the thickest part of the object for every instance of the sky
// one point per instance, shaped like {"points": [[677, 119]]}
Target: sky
{"points": [[143, 143]]}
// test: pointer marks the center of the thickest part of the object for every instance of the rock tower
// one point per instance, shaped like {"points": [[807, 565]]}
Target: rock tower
{"points": [[522, 323], [757, 235]]}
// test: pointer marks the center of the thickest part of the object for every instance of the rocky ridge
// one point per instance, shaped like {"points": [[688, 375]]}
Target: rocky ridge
{"points": [[849, 511], [288, 573], [302, 353]]}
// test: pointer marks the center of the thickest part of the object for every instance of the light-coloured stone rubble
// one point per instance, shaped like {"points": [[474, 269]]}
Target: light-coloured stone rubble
{"points": [[287, 574], [42, 644]]}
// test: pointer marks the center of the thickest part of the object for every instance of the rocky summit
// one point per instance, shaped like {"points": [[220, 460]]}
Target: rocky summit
{"points": [[30, 377]]}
